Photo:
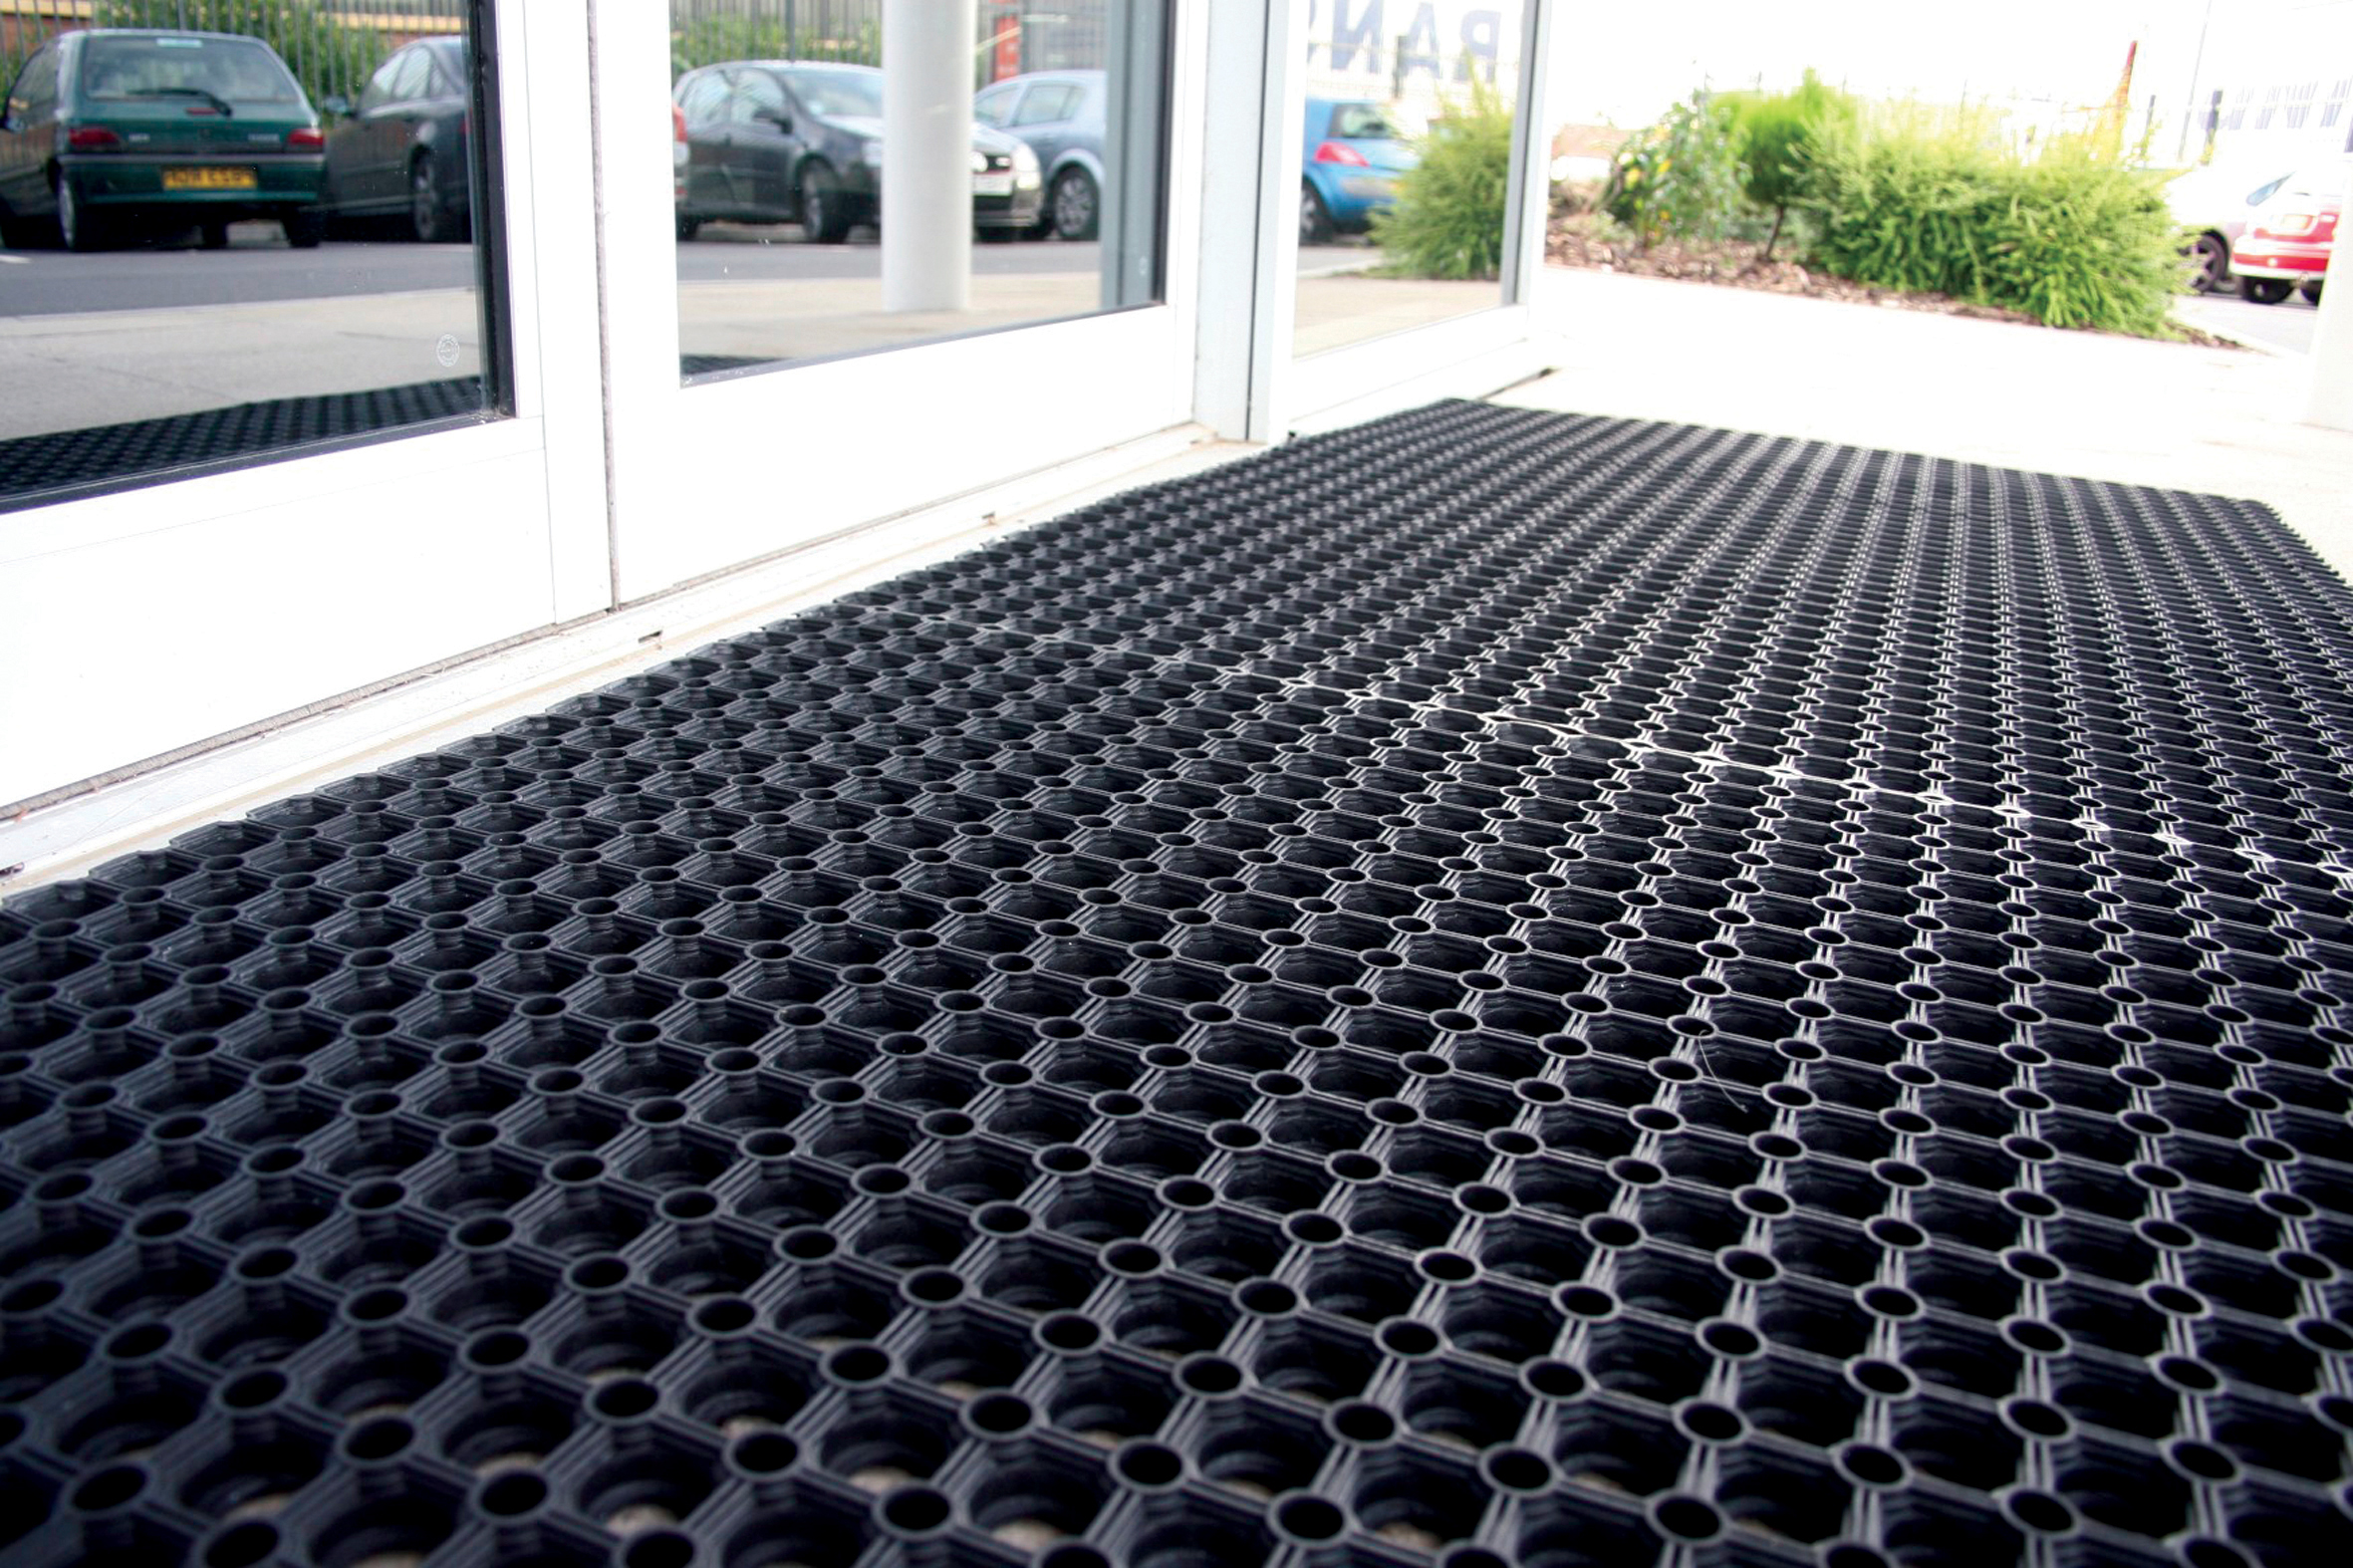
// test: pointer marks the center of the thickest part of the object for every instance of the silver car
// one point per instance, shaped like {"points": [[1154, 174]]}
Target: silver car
{"points": [[1060, 114]]}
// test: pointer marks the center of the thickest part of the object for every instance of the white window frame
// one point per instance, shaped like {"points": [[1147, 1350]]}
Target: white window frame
{"points": [[161, 617]]}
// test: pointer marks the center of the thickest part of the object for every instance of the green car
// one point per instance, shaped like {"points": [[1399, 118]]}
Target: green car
{"points": [[120, 132]]}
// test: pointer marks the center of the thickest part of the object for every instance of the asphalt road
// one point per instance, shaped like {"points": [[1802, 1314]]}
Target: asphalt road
{"points": [[258, 267], [2287, 324]]}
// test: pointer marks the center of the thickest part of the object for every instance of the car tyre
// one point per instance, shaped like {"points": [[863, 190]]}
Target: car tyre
{"points": [[2311, 293], [1076, 205], [2208, 264], [213, 236], [428, 220], [2264, 291], [76, 228], [304, 230], [1315, 219], [688, 227], [824, 221]]}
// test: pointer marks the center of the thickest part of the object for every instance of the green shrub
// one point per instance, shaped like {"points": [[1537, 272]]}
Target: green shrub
{"points": [[1682, 177], [1447, 221], [2070, 239], [1773, 134]]}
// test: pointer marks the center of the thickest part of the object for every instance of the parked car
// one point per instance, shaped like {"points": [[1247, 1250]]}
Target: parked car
{"points": [[122, 132], [2213, 206], [403, 152], [1060, 116], [2287, 243], [1349, 166], [792, 142]]}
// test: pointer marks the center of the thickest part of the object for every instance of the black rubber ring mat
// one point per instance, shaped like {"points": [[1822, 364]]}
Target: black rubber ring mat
{"points": [[30, 464], [1491, 988]]}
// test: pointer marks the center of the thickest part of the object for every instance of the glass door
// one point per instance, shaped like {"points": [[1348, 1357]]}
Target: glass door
{"points": [[906, 251]]}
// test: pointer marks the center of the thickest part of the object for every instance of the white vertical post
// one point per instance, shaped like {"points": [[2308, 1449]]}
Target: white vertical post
{"points": [[1249, 216], [927, 155], [2331, 400]]}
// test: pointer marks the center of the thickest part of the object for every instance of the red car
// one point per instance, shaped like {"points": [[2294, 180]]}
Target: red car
{"points": [[2287, 242]]}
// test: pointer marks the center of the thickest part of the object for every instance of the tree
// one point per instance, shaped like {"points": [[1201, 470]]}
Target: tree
{"points": [[1775, 133]]}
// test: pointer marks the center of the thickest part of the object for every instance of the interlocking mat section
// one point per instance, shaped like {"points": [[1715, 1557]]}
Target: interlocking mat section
{"points": [[1494, 988]]}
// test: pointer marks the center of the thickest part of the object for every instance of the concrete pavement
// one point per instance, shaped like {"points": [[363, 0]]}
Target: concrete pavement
{"points": [[2174, 415]]}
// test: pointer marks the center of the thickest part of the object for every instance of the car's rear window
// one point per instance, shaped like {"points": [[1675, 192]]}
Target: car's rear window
{"points": [[838, 93], [1361, 122], [239, 69]]}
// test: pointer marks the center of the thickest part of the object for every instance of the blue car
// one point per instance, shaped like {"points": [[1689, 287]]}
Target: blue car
{"points": [[1349, 167]]}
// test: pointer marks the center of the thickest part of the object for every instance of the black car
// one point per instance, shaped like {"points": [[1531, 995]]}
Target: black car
{"points": [[403, 152], [793, 142]]}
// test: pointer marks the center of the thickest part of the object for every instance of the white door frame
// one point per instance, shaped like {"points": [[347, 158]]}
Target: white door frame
{"points": [[712, 475], [1251, 387]]}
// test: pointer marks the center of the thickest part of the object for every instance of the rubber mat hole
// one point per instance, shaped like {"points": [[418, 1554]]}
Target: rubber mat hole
{"points": [[1362, 1423], [624, 1399], [1686, 1518], [2039, 1512], [1516, 1469], [378, 1440], [1871, 1466], [916, 1510], [512, 1494], [1308, 1520], [658, 1549], [242, 1545], [759, 1454], [1149, 1466], [115, 1487]]}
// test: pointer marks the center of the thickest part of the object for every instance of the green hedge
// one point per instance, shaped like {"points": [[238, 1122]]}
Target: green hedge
{"points": [[2069, 238]]}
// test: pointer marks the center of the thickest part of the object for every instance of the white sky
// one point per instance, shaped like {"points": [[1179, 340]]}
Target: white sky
{"points": [[1627, 63]]}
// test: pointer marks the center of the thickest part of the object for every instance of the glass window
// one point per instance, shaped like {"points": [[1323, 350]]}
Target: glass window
{"points": [[35, 90], [414, 79], [1380, 105], [117, 70], [991, 107], [1042, 207], [1047, 103], [312, 314], [756, 95], [704, 98]]}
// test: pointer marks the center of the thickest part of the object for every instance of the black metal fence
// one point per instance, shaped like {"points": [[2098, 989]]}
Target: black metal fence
{"points": [[330, 48]]}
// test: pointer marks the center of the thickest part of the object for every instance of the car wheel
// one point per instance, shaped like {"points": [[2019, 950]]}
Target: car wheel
{"points": [[2206, 264], [304, 230], [213, 236], [2264, 291], [1315, 222], [823, 219], [1076, 205], [688, 227], [75, 227], [2311, 293], [426, 220]]}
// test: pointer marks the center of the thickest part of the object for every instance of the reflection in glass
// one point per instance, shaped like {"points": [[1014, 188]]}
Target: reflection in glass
{"points": [[193, 197], [1387, 85], [1053, 128]]}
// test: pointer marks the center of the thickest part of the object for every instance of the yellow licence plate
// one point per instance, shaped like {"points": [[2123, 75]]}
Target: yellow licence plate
{"points": [[208, 179]]}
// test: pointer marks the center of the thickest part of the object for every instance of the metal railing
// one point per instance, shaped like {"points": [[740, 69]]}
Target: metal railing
{"points": [[1011, 36]]}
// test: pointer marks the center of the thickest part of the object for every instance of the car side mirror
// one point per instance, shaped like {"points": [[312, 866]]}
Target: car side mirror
{"points": [[335, 103]]}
